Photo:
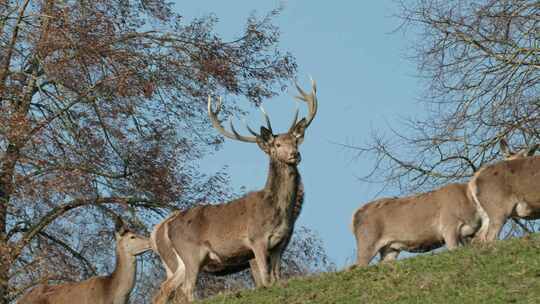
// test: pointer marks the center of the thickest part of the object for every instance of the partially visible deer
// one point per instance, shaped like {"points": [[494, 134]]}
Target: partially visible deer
{"points": [[111, 289], [415, 223], [226, 237], [507, 189]]}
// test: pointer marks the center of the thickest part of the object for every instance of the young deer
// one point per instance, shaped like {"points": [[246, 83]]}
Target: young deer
{"points": [[225, 238], [111, 289]]}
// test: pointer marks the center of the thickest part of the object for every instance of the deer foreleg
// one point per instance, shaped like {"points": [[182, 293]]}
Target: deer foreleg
{"points": [[255, 274], [275, 262], [451, 239], [260, 250]]}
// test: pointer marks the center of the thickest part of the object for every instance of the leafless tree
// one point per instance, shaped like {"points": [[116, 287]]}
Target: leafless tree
{"points": [[480, 62]]}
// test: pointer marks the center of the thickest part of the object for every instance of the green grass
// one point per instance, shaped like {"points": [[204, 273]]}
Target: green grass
{"points": [[502, 272]]}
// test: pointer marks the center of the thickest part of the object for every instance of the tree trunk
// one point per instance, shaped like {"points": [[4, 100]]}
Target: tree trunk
{"points": [[4, 252], [6, 188]]}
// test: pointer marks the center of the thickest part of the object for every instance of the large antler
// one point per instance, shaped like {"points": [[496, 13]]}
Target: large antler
{"points": [[310, 99], [234, 134]]}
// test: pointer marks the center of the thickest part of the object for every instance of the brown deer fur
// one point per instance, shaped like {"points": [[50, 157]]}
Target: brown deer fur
{"points": [[256, 225], [507, 189], [111, 289], [254, 229], [415, 223]]}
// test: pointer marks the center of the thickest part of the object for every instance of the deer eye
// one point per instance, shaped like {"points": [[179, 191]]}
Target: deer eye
{"points": [[278, 145], [132, 237]]}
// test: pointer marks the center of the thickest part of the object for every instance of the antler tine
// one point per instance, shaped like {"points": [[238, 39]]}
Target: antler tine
{"points": [[241, 137], [295, 118], [219, 127], [310, 99], [313, 84], [267, 118], [249, 128]]}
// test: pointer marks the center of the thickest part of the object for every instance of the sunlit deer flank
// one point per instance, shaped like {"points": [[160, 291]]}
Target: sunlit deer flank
{"points": [[111, 289], [415, 223], [253, 229], [507, 189]]}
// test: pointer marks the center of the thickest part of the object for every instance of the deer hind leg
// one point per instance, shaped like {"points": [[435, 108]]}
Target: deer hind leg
{"points": [[523, 209], [161, 244], [193, 261], [497, 206], [466, 232], [171, 284], [495, 226], [480, 209], [498, 215]]}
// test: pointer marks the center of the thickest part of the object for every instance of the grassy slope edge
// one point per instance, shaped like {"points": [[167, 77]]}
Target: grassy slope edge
{"points": [[502, 272]]}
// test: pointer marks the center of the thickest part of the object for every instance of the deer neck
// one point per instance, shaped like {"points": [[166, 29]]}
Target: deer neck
{"points": [[282, 185], [123, 276]]}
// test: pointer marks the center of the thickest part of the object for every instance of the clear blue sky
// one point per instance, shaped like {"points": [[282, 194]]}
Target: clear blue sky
{"points": [[364, 83]]}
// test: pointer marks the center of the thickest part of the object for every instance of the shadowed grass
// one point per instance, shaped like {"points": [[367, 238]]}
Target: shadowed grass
{"points": [[502, 272]]}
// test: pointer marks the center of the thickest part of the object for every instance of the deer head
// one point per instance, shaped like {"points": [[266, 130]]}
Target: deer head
{"points": [[130, 243], [281, 147], [509, 154]]}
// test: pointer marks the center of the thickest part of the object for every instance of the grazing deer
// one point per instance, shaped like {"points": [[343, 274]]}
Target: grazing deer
{"points": [[415, 223], [253, 229], [507, 189], [112, 289]]}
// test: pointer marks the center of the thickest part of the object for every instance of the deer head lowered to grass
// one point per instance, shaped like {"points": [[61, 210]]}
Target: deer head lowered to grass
{"points": [[254, 229], [415, 223], [111, 289], [453, 213]]}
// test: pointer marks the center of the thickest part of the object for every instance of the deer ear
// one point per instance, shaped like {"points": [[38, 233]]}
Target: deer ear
{"points": [[265, 139], [504, 148], [122, 230], [266, 135]]}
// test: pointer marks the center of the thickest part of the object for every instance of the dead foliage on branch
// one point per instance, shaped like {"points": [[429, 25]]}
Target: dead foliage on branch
{"points": [[103, 111]]}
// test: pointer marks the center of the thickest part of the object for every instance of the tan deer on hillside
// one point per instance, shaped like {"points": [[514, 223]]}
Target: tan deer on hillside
{"points": [[507, 189], [252, 229], [111, 289], [417, 223]]}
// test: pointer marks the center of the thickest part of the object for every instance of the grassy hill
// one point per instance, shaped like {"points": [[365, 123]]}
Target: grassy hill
{"points": [[502, 272]]}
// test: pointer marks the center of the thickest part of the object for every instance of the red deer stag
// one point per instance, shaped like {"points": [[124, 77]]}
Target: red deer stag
{"points": [[415, 223], [227, 237], [111, 289], [507, 189]]}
